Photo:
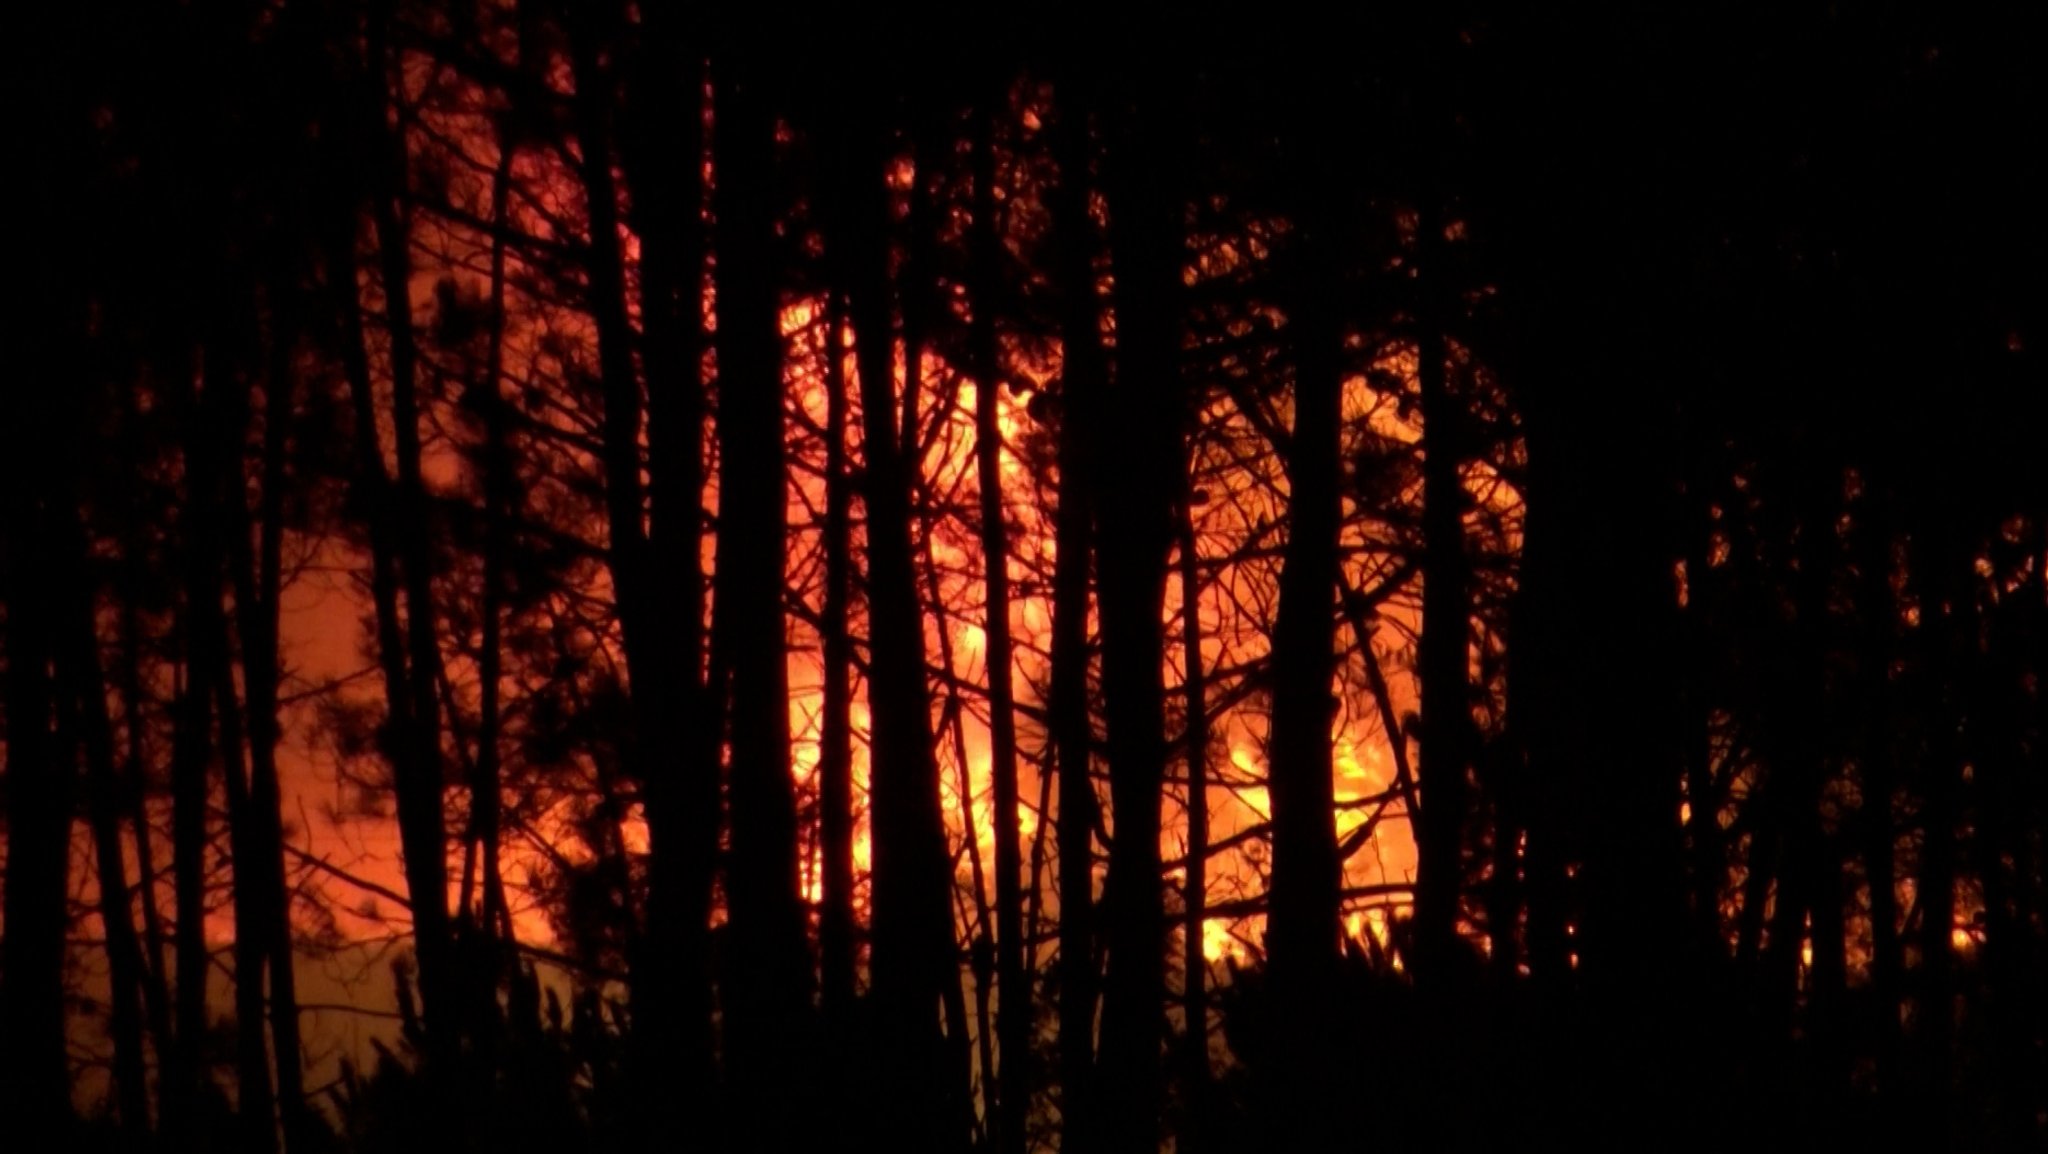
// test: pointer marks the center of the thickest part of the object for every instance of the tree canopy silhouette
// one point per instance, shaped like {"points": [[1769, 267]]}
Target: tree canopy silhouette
{"points": [[587, 575]]}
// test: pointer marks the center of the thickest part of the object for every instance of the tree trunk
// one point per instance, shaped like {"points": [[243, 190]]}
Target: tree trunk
{"points": [[1303, 924], [133, 797], [661, 145], [836, 926], [1446, 624], [212, 446], [185, 1075], [1084, 379], [1012, 980], [491, 914], [767, 981], [85, 700], [258, 582], [1143, 417], [1708, 853], [913, 957], [1876, 613], [1946, 616], [1537, 707], [35, 1080], [422, 824], [1195, 885], [255, 1092]]}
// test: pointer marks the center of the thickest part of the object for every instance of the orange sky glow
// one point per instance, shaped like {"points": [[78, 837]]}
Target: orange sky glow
{"points": [[343, 842]]}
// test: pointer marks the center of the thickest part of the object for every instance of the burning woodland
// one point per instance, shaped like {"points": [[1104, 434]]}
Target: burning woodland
{"points": [[605, 575]]}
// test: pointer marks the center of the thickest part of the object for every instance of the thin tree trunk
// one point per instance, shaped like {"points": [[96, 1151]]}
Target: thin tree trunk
{"points": [[85, 699], [1945, 616], [258, 583], [134, 805], [1996, 850], [1084, 378], [916, 291], [961, 1041], [836, 924], [1876, 610], [1703, 822], [1356, 611], [415, 777], [1195, 885], [185, 1072], [981, 954], [422, 825], [255, 1092], [1536, 706], [1011, 977], [212, 449], [486, 804], [1446, 626], [1808, 908]]}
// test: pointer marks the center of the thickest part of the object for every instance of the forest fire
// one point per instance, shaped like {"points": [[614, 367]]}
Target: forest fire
{"points": [[581, 575]]}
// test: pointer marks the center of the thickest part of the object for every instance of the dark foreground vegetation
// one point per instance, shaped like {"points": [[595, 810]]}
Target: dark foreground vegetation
{"points": [[1449, 577]]}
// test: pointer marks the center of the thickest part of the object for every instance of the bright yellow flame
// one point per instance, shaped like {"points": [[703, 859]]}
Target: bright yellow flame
{"points": [[1217, 940], [1348, 766]]}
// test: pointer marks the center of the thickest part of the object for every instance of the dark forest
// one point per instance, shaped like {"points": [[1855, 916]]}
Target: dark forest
{"points": [[616, 576]]}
